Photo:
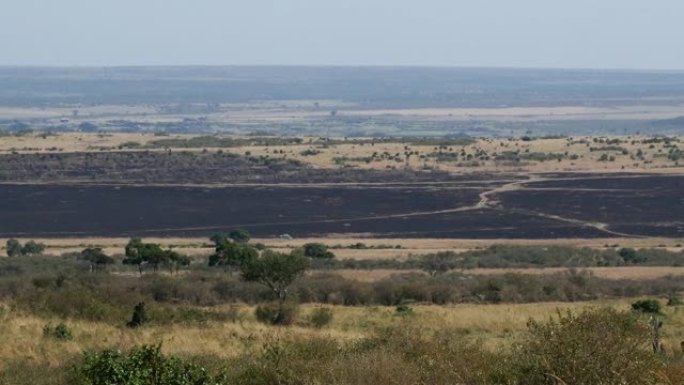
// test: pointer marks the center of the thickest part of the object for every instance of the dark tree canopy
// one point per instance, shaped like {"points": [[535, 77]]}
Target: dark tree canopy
{"points": [[318, 251], [240, 236], [32, 248], [96, 257], [231, 255], [140, 253], [13, 248], [275, 270]]}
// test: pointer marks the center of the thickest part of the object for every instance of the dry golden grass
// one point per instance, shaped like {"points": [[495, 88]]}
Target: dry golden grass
{"points": [[623, 272], [379, 248], [494, 325], [627, 272], [587, 160]]}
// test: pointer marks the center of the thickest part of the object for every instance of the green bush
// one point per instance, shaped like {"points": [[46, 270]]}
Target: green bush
{"points": [[13, 248], [143, 366], [60, 332], [32, 248], [599, 346], [647, 306], [321, 317], [317, 251]]}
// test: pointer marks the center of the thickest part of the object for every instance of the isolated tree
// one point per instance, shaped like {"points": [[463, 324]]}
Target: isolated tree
{"points": [[276, 271], [140, 254], [13, 248], [231, 255], [96, 257], [32, 248], [630, 255], [240, 236], [217, 238], [318, 251], [176, 260]]}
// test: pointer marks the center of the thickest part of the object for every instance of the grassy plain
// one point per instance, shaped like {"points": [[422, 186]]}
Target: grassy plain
{"points": [[493, 325], [585, 154]]}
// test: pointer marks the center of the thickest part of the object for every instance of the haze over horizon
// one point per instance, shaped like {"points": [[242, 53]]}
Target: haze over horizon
{"points": [[613, 34]]}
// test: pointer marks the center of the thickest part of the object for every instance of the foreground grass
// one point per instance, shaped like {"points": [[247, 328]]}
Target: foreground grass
{"points": [[493, 326]]}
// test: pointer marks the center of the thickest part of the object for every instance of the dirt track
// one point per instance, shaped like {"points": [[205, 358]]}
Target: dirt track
{"points": [[539, 208]]}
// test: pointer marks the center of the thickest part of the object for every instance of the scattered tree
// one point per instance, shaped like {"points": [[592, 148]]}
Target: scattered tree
{"points": [[13, 248], [231, 255], [176, 260], [96, 257], [317, 251], [240, 236], [631, 256], [141, 254], [276, 271]]}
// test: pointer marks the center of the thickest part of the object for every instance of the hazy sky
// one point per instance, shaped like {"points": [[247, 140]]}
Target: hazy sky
{"points": [[509, 33]]}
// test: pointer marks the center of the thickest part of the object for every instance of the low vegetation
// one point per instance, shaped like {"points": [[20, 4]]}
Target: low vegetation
{"points": [[598, 346]]}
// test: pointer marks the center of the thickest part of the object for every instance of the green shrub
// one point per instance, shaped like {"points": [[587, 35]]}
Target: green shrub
{"points": [[317, 251], [647, 306], [599, 346], [143, 366], [32, 248], [60, 332], [13, 248], [321, 317]]}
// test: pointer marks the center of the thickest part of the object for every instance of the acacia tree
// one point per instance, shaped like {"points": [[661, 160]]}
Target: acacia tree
{"points": [[176, 260], [13, 248], [240, 236], [317, 251], [32, 248], [231, 255], [276, 271], [140, 254], [96, 257]]}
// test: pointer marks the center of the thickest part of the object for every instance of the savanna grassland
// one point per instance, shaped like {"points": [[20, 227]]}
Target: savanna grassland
{"points": [[361, 226], [417, 261]]}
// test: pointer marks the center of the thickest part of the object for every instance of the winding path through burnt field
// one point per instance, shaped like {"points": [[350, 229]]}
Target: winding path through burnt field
{"points": [[537, 207]]}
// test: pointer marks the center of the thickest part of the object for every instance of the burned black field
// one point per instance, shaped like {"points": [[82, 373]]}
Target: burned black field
{"points": [[577, 207]]}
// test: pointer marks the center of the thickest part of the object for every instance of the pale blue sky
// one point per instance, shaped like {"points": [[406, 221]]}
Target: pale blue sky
{"points": [[494, 33]]}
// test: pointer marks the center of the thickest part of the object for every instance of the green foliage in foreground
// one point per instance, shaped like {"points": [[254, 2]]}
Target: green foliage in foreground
{"points": [[599, 346], [143, 366]]}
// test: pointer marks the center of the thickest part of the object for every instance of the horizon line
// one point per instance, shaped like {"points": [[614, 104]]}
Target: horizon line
{"points": [[378, 66]]}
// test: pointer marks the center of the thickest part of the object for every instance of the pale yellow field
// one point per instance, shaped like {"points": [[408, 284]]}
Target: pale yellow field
{"points": [[353, 155], [626, 272], [494, 325], [379, 248]]}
